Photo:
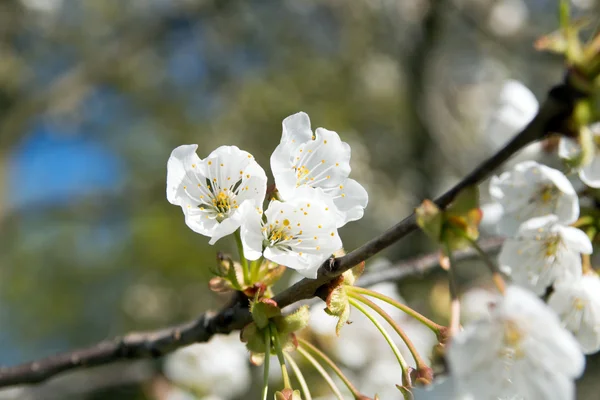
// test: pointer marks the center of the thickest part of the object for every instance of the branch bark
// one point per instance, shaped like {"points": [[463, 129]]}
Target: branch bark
{"points": [[552, 117]]}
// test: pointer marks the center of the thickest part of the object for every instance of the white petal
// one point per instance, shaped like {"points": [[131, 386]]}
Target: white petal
{"points": [[297, 127], [590, 174], [568, 148], [575, 239], [179, 162], [577, 302], [251, 235], [351, 202]]}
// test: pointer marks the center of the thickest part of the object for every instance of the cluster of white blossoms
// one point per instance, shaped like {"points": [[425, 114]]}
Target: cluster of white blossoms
{"points": [[217, 370], [524, 348], [226, 191]]}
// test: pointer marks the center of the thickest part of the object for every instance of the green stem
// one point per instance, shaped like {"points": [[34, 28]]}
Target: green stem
{"points": [[318, 353], [413, 351], [243, 260], [436, 328], [454, 302], [403, 365], [299, 376], [254, 268], [280, 357], [266, 366], [321, 370], [496, 274]]}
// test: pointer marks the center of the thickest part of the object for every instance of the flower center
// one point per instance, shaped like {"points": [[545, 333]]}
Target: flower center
{"points": [[578, 304], [547, 193], [512, 338], [302, 175], [278, 233], [551, 244]]}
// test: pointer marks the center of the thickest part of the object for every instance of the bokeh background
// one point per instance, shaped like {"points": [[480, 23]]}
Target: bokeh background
{"points": [[94, 95]]}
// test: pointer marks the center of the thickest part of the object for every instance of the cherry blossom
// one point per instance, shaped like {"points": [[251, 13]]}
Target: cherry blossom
{"points": [[519, 351], [300, 233], [533, 190], [218, 368], [589, 170], [211, 191], [321, 161], [577, 302], [542, 252]]}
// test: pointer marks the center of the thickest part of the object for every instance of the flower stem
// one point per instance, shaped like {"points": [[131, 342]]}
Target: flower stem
{"points": [[254, 268], [496, 274], [413, 351], [436, 328], [454, 302], [318, 353], [279, 351], [403, 365], [299, 376], [243, 260], [321, 370], [266, 365]]}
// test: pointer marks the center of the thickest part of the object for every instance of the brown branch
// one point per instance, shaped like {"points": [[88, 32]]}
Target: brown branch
{"points": [[552, 117]]}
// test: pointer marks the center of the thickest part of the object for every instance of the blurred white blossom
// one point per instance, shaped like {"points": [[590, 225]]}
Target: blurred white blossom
{"points": [[520, 351], [321, 161], [569, 149], [476, 304], [542, 252], [218, 368], [531, 190], [300, 233], [515, 108], [211, 191], [577, 302]]}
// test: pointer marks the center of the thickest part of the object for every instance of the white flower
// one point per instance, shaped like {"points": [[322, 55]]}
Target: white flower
{"points": [[476, 304], [516, 106], [300, 233], [569, 149], [520, 351], [211, 191], [533, 190], [577, 303], [218, 368], [321, 161], [543, 252]]}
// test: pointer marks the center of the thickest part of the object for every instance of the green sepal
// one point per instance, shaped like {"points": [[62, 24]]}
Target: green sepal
{"points": [[262, 310], [292, 322]]}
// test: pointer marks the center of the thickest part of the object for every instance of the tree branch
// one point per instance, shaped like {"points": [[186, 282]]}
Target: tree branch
{"points": [[423, 264], [552, 117]]}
